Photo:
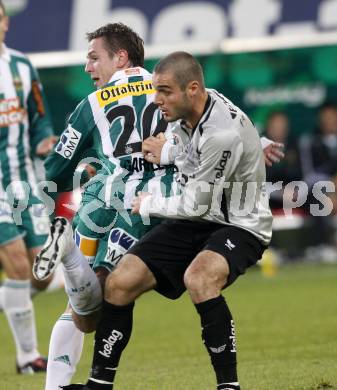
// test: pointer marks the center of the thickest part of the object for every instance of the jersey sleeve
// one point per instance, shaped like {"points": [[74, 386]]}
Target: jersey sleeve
{"points": [[40, 124], [74, 143], [218, 157], [177, 138]]}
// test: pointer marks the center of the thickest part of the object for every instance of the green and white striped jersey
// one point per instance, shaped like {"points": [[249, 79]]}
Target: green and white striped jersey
{"points": [[24, 120], [111, 123]]}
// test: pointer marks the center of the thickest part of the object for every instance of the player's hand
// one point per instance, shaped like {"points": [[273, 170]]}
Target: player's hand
{"points": [[136, 202], [152, 147], [273, 153], [46, 145]]}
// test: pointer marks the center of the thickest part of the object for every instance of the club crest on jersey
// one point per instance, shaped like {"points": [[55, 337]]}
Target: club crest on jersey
{"points": [[128, 149], [68, 143], [119, 242]]}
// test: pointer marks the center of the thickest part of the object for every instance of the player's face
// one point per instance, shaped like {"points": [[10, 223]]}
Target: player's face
{"points": [[100, 65], [3, 25], [328, 121], [172, 101]]}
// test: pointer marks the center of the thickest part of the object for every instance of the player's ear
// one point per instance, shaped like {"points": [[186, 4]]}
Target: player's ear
{"points": [[192, 88], [123, 58]]}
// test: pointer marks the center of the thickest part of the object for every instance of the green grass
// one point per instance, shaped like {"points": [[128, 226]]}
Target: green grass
{"points": [[286, 334]]}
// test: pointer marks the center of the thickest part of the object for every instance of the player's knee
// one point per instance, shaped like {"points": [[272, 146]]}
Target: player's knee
{"points": [[102, 274], [118, 286], [19, 267], [194, 279], [114, 283], [86, 324], [122, 287], [198, 278]]}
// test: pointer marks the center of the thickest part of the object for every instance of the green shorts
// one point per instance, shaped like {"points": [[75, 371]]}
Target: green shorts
{"points": [[104, 234], [32, 224]]}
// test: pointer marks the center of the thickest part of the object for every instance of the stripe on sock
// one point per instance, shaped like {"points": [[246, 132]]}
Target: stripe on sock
{"points": [[100, 381], [66, 317]]}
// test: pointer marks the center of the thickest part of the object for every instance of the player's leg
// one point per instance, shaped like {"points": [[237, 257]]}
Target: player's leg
{"points": [[226, 254], [128, 281], [148, 265], [17, 302], [111, 248], [34, 229], [81, 283], [65, 348], [66, 340], [210, 270]]}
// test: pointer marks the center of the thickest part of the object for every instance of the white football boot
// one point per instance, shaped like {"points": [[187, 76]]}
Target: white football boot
{"points": [[59, 244]]}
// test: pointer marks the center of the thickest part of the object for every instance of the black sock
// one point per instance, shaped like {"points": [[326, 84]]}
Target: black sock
{"points": [[112, 335], [218, 334], [228, 386]]}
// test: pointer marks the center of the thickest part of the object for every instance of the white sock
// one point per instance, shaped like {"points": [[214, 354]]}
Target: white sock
{"points": [[57, 281], [33, 292], [81, 283], [65, 348], [19, 311]]}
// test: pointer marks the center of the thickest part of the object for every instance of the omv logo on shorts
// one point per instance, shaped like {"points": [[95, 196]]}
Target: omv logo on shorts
{"points": [[68, 143], [118, 244]]}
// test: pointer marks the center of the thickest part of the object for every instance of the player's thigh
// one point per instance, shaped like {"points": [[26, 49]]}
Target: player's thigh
{"points": [[238, 247], [14, 257], [167, 250], [128, 229], [13, 254], [128, 281]]}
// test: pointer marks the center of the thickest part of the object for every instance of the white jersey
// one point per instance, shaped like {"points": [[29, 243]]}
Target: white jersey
{"points": [[221, 172]]}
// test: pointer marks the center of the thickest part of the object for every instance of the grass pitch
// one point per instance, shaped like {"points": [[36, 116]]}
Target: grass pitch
{"points": [[286, 334]]}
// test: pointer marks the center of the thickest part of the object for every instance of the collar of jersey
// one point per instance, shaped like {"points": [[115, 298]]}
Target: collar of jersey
{"points": [[203, 117], [122, 74], [5, 53]]}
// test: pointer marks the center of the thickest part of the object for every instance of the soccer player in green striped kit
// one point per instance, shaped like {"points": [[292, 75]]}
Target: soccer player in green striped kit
{"points": [[111, 123], [25, 130]]}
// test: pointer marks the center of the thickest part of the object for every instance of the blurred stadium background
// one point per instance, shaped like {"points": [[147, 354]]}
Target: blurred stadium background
{"points": [[266, 56]]}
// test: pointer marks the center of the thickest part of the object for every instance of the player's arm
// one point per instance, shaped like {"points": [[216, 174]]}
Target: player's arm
{"points": [[73, 144], [41, 134], [218, 159], [273, 151], [165, 147]]}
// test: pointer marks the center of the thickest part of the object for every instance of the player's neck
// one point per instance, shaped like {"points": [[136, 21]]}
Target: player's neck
{"points": [[198, 109]]}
